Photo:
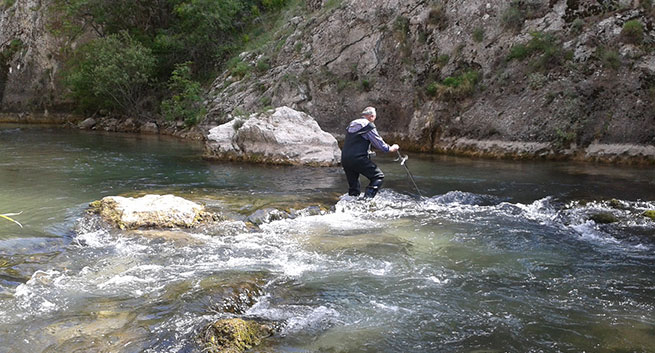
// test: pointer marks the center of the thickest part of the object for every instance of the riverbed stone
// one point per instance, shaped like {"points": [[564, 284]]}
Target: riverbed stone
{"points": [[267, 215], [279, 136], [603, 218], [650, 214], [87, 124], [151, 211], [233, 335]]}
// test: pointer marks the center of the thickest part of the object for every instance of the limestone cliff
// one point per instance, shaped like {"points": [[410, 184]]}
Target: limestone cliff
{"points": [[532, 77], [30, 58]]}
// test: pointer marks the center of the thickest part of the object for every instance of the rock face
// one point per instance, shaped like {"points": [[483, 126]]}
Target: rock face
{"points": [[280, 136], [150, 211], [580, 81], [29, 58]]}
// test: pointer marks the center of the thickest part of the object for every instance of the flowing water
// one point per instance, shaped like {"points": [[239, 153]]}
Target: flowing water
{"points": [[499, 256]]}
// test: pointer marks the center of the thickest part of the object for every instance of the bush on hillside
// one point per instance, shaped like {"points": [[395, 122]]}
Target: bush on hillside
{"points": [[112, 72], [633, 31], [186, 102]]}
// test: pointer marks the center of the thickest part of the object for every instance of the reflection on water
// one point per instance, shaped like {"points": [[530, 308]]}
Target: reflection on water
{"points": [[501, 256]]}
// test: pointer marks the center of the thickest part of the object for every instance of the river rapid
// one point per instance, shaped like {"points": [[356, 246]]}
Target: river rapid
{"points": [[497, 257]]}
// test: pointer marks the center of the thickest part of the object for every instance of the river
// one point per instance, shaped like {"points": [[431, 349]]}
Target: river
{"points": [[498, 256]]}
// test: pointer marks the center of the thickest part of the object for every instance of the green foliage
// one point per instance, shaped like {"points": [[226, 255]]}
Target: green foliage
{"points": [[455, 87], [263, 64], [205, 32], [240, 70], [187, 96], [633, 31], [550, 51], [5, 4], [443, 59], [610, 58], [366, 85], [478, 34], [577, 25], [14, 46], [112, 72], [512, 18]]}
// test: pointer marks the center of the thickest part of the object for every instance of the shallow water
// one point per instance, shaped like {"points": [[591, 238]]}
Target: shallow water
{"points": [[499, 256]]}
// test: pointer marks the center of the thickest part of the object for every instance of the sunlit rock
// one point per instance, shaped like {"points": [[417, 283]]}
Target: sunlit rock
{"points": [[233, 335], [280, 136], [151, 211], [650, 214]]}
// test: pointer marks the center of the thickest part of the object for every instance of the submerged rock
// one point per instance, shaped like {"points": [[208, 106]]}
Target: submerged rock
{"points": [[151, 211], [267, 215], [233, 335], [280, 136], [603, 218]]}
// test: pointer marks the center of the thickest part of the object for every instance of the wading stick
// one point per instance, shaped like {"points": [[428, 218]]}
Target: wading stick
{"points": [[411, 177]]}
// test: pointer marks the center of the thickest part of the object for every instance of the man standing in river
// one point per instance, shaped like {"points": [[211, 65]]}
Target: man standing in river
{"points": [[355, 155]]}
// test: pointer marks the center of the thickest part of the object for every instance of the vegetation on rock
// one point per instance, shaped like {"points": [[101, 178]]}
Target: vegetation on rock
{"points": [[233, 335]]}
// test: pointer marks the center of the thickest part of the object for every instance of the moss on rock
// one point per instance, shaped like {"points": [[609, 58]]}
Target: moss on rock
{"points": [[650, 214], [233, 335], [603, 218]]}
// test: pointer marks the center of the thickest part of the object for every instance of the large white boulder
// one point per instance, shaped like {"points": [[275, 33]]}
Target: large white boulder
{"points": [[279, 136], [150, 211]]}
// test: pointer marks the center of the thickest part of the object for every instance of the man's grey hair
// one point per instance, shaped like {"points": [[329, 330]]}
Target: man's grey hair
{"points": [[369, 111]]}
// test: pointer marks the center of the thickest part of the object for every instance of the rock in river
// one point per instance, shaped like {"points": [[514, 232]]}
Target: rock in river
{"points": [[233, 335], [151, 211], [280, 136]]}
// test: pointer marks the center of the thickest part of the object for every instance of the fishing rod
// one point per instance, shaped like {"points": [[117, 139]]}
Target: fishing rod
{"points": [[403, 160]]}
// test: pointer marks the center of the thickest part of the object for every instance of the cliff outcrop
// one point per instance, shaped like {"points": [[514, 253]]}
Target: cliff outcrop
{"points": [[521, 78], [30, 58]]}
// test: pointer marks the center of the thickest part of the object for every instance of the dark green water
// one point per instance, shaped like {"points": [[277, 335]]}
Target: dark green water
{"points": [[500, 256]]}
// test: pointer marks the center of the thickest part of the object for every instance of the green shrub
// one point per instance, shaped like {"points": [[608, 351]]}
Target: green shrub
{"points": [[577, 25], [366, 85], [14, 46], [112, 73], [263, 64], [186, 102], [610, 58], [478, 34], [519, 51], [240, 70], [5, 4], [633, 31], [442, 60], [432, 89], [512, 18], [455, 87], [545, 44]]}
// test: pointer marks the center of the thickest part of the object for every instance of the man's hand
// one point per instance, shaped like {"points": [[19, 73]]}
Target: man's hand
{"points": [[394, 148]]}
